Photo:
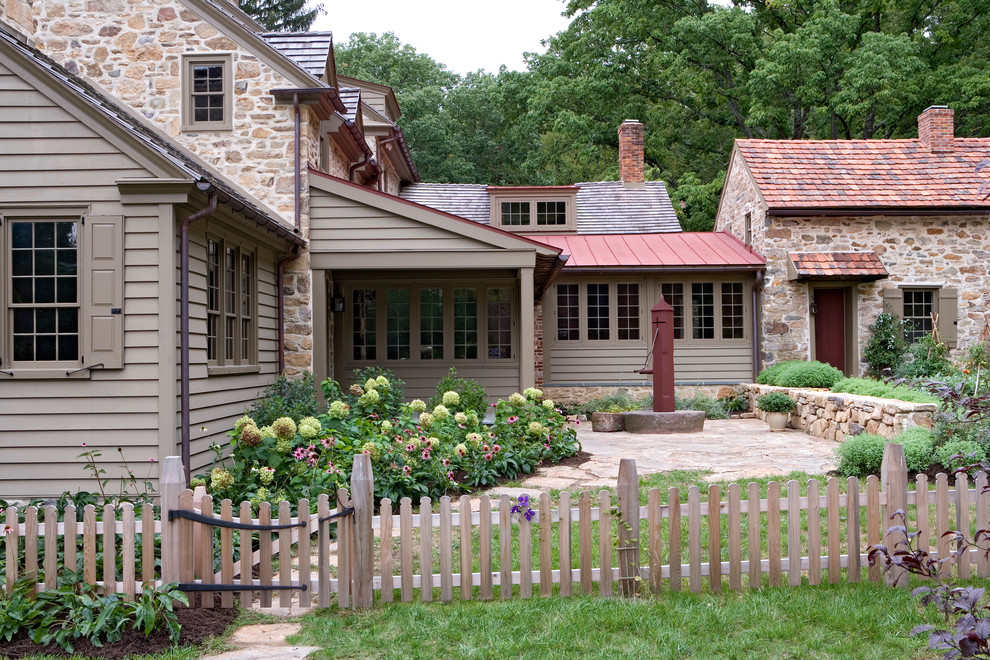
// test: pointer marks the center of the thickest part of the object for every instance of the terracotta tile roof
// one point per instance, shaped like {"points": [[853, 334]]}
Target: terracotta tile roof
{"points": [[835, 174], [837, 265], [662, 251], [603, 207]]}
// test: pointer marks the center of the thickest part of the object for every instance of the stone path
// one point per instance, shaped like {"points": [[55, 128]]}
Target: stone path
{"points": [[736, 449], [265, 641]]}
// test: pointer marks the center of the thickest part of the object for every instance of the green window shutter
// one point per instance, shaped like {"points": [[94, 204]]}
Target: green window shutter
{"points": [[948, 315], [103, 291], [893, 301]]}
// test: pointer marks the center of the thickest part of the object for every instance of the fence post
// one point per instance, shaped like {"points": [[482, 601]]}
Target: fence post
{"points": [[199, 494], [171, 481], [894, 483], [362, 499], [628, 548]]}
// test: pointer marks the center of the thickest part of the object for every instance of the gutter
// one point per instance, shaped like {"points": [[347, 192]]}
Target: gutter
{"points": [[184, 324], [552, 275], [360, 142], [396, 136], [869, 211], [756, 325], [280, 281]]}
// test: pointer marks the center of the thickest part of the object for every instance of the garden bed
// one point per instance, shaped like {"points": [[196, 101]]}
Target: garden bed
{"points": [[835, 415]]}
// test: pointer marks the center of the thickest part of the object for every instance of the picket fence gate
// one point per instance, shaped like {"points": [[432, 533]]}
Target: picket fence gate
{"points": [[465, 548]]}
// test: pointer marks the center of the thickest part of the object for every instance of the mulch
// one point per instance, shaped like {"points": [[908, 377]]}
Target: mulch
{"points": [[198, 625]]}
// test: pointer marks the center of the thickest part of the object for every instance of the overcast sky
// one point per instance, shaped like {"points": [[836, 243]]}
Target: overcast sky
{"points": [[466, 35]]}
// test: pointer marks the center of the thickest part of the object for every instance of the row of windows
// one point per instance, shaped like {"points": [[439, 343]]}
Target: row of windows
{"points": [[431, 323], [604, 311], [548, 214]]}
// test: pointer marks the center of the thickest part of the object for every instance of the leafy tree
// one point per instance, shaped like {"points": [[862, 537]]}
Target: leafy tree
{"points": [[283, 15]]}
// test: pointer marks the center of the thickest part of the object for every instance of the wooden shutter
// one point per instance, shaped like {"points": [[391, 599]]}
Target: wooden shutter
{"points": [[948, 315], [103, 291], [893, 301]]}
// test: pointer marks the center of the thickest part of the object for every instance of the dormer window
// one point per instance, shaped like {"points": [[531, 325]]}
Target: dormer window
{"points": [[534, 209]]}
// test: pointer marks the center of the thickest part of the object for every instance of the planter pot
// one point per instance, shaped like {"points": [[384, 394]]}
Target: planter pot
{"points": [[605, 422], [777, 420]]}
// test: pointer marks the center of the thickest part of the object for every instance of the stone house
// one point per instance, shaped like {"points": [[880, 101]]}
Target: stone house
{"points": [[850, 227], [624, 248]]}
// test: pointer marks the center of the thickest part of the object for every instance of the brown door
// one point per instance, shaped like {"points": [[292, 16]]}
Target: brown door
{"points": [[830, 327]]}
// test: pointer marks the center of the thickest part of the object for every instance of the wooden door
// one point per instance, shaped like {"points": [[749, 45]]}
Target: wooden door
{"points": [[830, 327]]}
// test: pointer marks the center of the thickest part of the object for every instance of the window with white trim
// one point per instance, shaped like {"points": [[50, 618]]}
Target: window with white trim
{"points": [[920, 305]]}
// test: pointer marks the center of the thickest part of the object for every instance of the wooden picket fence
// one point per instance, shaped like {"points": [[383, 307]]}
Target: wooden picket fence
{"points": [[478, 548]]}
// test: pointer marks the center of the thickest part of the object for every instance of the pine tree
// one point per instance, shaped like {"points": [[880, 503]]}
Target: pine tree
{"points": [[283, 15]]}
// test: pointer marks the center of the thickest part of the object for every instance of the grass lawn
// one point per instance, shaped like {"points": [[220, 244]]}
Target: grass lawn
{"points": [[841, 621]]}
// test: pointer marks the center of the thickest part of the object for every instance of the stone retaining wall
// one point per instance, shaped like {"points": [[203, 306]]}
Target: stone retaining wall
{"points": [[834, 416], [570, 396]]}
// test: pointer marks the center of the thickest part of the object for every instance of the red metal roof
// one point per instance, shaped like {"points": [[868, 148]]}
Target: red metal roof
{"points": [[866, 173], [838, 265], [674, 251]]}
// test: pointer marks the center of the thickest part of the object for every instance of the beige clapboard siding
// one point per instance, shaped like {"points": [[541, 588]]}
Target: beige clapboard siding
{"points": [[339, 224], [46, 156], [611, 363]]}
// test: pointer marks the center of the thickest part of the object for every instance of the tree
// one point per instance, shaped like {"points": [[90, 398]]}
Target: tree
{"points": [[283, 15]]}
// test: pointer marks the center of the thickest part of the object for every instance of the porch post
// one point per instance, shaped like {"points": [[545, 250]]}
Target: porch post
{"points": [[321, 327], [527, 333]]}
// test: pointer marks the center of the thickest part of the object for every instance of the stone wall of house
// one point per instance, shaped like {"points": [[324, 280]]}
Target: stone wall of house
{"points": [[836, 416]]}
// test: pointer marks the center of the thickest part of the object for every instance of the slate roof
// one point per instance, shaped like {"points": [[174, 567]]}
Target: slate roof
{"points": [[154, 140], [603, 207], [351, 98], [307, 49], [660, 251], [836, 174], [837, 265]]}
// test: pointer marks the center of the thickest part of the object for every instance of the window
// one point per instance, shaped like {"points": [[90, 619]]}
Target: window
{"points": [[598, 311], [208, 92], [61, 296], [919, 307], [430, 323], [44, 291], [231, 327], [551, 213], [534, 209], [748, 229], [732, 310], [702, 310], [515, 213], [673, 293], [568, 312]]}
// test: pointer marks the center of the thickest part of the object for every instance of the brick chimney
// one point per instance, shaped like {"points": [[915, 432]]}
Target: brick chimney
{"points": [[631, 154], [935, 129]]}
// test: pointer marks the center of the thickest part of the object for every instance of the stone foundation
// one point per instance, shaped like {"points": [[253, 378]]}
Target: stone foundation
{"points": [[836, 416]]}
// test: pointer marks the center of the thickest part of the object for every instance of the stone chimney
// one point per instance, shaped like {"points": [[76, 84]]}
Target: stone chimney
{"points": [[935, 129], [631, 154]]}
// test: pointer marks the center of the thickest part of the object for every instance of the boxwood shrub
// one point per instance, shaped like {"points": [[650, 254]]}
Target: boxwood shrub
{"points": [[971, 452], [800, 373], [918, 447], [772, 402], [877, 388], [860, 455]]}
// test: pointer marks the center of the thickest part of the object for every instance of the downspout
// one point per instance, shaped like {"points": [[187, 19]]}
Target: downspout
{"points": [[360, 163], [184, 324], [756, 325], [298, 177], [280, 280], [381, 150]]}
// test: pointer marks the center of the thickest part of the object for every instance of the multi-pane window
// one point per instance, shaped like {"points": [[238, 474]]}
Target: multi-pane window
{"points": [[673, 293], [208, 98], [568, 312], [465, 324], [515, 213], [598, 315], [397, 324], [363, 328], [231, 329], [627, 311], [499, 323], [702, 310], [732, 310], [44, 290], [431, 324], [919, 306], [551, 213]]}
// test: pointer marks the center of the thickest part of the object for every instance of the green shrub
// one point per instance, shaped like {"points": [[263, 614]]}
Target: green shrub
{"points": [[929, 358], [871, 387], [471, 394], [971, 452], [713, 408], [860, 455], [800, 373], [886, 346], [287, 397], [775, 402], [918, 447]]}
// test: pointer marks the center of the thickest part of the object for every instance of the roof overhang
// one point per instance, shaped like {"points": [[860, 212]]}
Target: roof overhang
{"points": [[806, 211], [835, 266]]}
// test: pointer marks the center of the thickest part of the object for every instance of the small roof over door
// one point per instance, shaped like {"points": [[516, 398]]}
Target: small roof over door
{"points": [[859, 266]]}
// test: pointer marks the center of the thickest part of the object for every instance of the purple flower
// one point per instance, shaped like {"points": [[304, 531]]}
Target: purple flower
{"points": [[513, 419], [530, 514]]}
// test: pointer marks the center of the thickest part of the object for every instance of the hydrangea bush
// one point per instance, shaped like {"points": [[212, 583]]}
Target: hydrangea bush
{"points": [[415, 451]]}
